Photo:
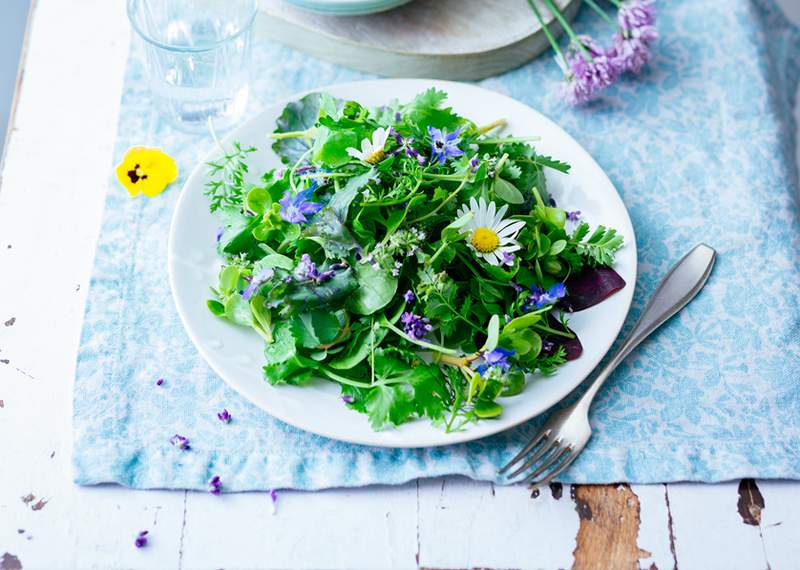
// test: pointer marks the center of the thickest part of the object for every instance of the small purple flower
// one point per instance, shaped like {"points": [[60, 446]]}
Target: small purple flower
{"points": [[585, 76], [498, 357], [474, 162], [635, 14], [294, 210], [415, 327], [443, 144], [398, 116], [159, 382], [508, 258], [408, 296], [220, 231], [224, 416], [180, 442], [347, 399], [306, 270], [257, 281], [141, 539], [517, 288], [632, 49], [540, 298], [405, 146], [574, 216], [215, 485], [273, 495]]}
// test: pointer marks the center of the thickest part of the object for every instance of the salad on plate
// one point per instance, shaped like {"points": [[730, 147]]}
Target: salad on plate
{"points": [[407, 254]]}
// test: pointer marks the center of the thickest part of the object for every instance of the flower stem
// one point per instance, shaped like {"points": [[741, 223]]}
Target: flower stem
{"points": [[421, 343], [547, 32], [494, 124], [444, 202], [602, 13], [507, 140], [308, 133], [567, 28]]}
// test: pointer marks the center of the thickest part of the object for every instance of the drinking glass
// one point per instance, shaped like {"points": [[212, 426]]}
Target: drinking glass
{"points": [[197, 57]]}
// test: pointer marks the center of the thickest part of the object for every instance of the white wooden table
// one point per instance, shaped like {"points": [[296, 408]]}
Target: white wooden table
{"points": [[51, 200]]}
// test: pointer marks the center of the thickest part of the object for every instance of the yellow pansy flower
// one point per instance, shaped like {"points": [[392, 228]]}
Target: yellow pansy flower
{"points": [[146, 170]]}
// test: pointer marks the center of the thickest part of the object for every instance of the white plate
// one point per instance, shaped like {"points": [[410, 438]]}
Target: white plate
{"points": [[348, 7], [236, 353]]}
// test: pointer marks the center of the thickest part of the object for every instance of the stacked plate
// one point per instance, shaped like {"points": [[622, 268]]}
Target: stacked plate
{"points": [[348, 7]]}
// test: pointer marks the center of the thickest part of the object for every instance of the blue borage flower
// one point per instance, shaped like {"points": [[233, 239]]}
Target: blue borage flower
{"points": [[415, 326], [257, 281], [444, 145], [497, 357], [180, 442], [224, 416], [296, 209], [215, 485], [540, 298], [141, 539]]}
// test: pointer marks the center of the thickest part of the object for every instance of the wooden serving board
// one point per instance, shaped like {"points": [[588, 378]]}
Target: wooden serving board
{"points": [[444, 39]]}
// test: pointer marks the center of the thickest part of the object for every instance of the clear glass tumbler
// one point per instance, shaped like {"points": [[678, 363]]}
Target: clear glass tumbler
{"points": [[197, 57]]}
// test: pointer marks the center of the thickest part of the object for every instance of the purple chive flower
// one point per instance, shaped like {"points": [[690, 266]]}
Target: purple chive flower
{"points": [[347, 399], [508, 258], [306, 270], [220, 231], [574, 216], [632, 49], [415, 327], [215, 485], [141, 539], [224, 416], [408, 296], [180, 442], [405, 146], [635, 14], [294, 210], [257, 281], [159, 382], [443, 144], [585, 76], [540, 298]]}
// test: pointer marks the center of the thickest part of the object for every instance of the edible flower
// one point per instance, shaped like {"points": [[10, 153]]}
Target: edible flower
{"points": [[587, 69], [415, 327], [273, 495], [159, 382], [224, 416], [497, 357], [540, 298], [295, 209], [306, 270], [634, 14], [180, 442], [574, 216], [408, 296], [490, 236], [146, 170], [444, 145], [372, 152], [215, 485], [404, 145], [141, 539], [257, 281], [632, 43]]}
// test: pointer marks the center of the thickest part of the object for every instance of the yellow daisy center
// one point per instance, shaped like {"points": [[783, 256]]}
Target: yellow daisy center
{"points": [[485, 240], [376, 156]]}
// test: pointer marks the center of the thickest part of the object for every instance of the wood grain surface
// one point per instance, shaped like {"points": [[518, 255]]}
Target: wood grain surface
{"points": [[445, 39], [55, 174]]}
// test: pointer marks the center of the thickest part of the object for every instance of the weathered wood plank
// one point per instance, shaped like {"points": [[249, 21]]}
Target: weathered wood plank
{"points": [[372, 527]]}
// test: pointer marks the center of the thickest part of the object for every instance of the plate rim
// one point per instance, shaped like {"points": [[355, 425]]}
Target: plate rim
{"points": [[455, 437]]}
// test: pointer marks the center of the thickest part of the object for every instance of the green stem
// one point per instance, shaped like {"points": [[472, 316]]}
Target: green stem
{"points": [[547, 32], [476, 273], [297, 164], [308, 133], [492, 125], [421, 343], [567, 28], [602, 13], [444, 202], [545, 328], [506, 140]]}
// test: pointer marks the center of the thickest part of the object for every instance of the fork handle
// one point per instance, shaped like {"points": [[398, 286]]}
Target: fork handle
{"points": [[680, 286]]}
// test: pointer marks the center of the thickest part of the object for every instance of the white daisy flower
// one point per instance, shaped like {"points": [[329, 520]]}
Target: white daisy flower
{"points": [[490, 236], [372, 151]]}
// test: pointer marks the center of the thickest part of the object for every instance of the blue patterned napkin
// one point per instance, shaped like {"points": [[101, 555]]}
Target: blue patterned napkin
{"points": [[701, 148]]}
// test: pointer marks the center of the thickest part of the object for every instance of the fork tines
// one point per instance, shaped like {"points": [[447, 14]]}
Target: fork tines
{"points": [[551, 455]]}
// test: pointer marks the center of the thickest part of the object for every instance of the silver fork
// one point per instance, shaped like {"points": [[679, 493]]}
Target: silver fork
{"points": [[567, 431]]}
